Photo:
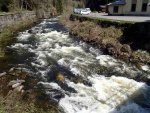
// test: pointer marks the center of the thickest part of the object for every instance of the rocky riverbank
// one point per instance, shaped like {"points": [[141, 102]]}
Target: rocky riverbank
{"points": [[107, 35], [20, 93]]}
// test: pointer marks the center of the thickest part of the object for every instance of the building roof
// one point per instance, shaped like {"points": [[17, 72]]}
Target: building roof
{"points": [[117, 3], [102, 6]]}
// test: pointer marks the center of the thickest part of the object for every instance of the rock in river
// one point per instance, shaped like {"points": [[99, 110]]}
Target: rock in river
{"points": [[2, 74], [11, 83]]}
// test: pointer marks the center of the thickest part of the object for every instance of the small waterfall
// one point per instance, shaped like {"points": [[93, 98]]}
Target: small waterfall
{"points": [[82, 78]]}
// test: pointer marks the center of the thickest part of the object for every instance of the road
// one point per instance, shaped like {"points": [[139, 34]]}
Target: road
{"points": [[123, 18]]}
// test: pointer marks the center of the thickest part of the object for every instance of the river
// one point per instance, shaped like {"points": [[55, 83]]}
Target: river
{"points": [[80, 77]]}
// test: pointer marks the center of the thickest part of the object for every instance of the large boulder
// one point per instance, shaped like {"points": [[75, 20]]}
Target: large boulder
{"points": [[60, 77]]}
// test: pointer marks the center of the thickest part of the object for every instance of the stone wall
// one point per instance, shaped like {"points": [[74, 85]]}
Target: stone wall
{"points": [[7, 19]]}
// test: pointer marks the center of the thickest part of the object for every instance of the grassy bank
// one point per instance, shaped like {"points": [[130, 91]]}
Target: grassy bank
{"points": [[107, 35]]}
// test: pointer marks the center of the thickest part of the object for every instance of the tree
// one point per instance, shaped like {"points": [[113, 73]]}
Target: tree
{"points": [[103, 2], [59, 7], [4, 5]]}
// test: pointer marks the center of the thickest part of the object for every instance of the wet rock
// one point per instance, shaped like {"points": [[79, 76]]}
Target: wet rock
{"points": [[15, 82], [19, 88], [22, 91], [82, 80], [11, 70], [16, 85], [15, 71], [3, 74], [32, 31], [43, 86], [60, 77], [85, 82], [13, 74], [56, 94], [65, 87], [48, 90], [45, 31], [78, 80]]}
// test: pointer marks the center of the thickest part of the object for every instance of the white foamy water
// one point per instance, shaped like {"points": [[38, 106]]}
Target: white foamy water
{"points": [[105, 96], [57, 52]]}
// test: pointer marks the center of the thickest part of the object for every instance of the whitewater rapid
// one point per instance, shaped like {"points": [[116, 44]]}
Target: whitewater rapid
{"points": [[104, 86]]}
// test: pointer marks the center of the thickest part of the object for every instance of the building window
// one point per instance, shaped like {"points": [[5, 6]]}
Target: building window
{"points": [[116, 9], [144, 7], [133, 7]]}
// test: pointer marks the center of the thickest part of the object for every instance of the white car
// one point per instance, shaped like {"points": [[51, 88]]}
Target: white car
{"points": [[84, 12], [88, 10]]}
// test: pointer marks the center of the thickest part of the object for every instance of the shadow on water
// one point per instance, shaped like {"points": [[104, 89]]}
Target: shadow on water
{"points": [[23, 56], [8, 54], [54, 25], [137, 102], [142, 76], [138, 35]]}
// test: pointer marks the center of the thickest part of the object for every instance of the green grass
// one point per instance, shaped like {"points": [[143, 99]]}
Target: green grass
{"points": [[1, 54], [1, 109]]}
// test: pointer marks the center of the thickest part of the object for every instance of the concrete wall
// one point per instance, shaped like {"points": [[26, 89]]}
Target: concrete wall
{"points": [[126, 9], [12, 18], [120, 10]]}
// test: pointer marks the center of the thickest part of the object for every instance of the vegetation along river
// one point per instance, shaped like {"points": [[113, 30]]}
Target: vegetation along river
{"points": [[81, 78]]}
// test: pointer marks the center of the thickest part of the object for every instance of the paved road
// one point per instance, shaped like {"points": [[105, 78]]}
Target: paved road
{"points": [[124, 18]]}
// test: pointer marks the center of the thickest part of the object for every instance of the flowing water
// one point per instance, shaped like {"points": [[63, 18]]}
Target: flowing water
{"points": [[94, 81]]}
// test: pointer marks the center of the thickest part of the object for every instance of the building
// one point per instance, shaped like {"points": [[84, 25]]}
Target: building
{"points": [[103, 8], [129, 7]]}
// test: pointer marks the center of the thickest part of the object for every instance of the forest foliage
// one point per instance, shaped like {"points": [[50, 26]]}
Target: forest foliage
{"points": [[47, 8]]}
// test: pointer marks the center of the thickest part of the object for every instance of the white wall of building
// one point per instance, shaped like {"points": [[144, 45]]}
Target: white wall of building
{"points": [[126, 9]]}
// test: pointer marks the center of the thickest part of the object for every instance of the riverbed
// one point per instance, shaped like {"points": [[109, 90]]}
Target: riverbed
{"points": [[78, 76]]}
